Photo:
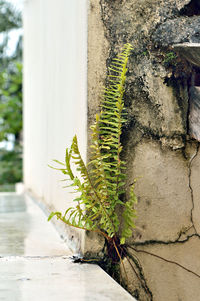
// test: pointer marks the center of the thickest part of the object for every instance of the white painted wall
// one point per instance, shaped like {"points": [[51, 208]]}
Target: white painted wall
{"points": [[55, 85]]}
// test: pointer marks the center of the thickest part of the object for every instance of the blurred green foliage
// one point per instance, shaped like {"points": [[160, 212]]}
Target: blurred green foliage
{"points": [[11, 102], [10, 19], [7, 188], [10, 166], [10, 98]]}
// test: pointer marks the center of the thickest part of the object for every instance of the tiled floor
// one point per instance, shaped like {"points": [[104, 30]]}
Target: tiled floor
{"points": [[35, 264]]}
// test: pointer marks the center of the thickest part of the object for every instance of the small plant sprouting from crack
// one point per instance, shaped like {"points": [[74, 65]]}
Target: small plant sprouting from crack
{"points": [[170, 59], [100, 184], [102, 180]]}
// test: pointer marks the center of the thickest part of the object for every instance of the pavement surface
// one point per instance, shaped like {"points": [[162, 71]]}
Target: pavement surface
{"points": [[36, 265]]}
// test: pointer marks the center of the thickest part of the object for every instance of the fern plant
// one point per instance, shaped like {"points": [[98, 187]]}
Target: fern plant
{"points": [[100, 184]]}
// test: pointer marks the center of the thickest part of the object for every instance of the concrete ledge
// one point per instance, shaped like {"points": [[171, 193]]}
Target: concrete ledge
{"points": [[35, 263], [73, 238], [56, 278], [24, 229]]}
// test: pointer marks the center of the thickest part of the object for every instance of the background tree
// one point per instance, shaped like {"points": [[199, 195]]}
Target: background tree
{"points": [[10, 97], [10, 19]]}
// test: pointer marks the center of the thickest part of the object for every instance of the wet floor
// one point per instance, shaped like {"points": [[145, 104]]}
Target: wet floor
{"points": [[35, 263], [24, 229]]}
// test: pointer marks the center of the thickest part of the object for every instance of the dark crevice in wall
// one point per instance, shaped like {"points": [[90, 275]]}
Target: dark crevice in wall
{"points": [[196, 77], [181, 82], [147, 132], [192, 9], [193, 81], [160, 242], [140, 274]]}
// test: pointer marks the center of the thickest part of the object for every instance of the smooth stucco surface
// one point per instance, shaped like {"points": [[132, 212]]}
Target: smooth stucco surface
{"points": [[55, 89]]}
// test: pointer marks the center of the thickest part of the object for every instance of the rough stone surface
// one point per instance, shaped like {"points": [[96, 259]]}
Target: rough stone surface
{"points": [[194, 113], [157, 146], [94, 244], [191, 51], [97, 54], [179, 30], [195, 184], [181, 3], [164, 197], [179, 283]]}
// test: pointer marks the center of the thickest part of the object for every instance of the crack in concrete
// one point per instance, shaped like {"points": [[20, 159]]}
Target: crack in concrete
{"points": [[190, 185], [179, 239], [152, 133], [156, 242], [139, 266], [160, 242], [141, 275]]}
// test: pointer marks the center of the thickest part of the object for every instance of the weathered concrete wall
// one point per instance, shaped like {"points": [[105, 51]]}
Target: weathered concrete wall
{"points": [[157, 146], [55, 93]]}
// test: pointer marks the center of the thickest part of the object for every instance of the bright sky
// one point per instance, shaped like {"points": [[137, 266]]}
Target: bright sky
{"points": [[14, 34], [18, 3]]}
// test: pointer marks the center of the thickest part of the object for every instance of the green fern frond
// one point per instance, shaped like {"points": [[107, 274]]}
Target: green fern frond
{"points": [[129, 215], [102, 182], [111, 121]]}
